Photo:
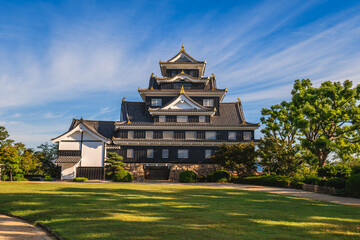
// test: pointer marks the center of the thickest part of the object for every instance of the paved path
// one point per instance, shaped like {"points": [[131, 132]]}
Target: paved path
{"points": [[13, 228]]}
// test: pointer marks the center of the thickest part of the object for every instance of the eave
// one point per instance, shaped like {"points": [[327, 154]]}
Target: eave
{"points": [[174, 92]]}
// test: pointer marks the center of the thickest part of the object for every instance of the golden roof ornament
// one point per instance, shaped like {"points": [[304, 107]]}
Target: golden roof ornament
{"points": [[213, 75], [152, 75], [128, 122], [152, 88], [238, 100], [226, 90], [182, 71], [215, 109], [182, 90], [182, 48], [123, 99], [243, 122], [113, 138]]}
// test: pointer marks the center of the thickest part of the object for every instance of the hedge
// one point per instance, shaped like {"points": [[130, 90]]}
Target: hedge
{"points": [[122, 176], [219, 176], [353, 185], [187, 177], [80, 179], [334, 171]]}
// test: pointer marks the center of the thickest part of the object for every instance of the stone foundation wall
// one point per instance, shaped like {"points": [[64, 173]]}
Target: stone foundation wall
{"points": [[199, 169], [137, 170]]}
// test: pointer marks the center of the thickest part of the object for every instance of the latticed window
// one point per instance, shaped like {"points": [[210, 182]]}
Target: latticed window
{"points": [[168, 135], [183, 153], [165, 153], [210, 135], [182, 119], [149, 135], [130, 153], [150, 153], [232, 135], [208, 102], [247, 136], [208, 153], [156, 102], [162, 118], [130, 134], [190, 135], [202, 119]]}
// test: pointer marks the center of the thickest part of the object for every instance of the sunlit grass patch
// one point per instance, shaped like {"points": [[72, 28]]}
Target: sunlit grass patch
{"points": [[139, 211]]}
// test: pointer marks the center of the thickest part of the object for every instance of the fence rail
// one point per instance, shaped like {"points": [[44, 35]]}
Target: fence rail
{"points": [[91, 172]]}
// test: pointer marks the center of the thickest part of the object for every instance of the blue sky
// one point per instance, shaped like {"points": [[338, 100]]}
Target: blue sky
{"points": [[66, 59]]}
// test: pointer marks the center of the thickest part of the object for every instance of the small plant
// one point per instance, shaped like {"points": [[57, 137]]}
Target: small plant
{"points": [[48, 178], [219, 176], [122, 176], [187, 177], [80, 179]]}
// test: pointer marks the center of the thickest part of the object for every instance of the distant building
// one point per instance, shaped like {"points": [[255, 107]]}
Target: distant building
{"points": [[178, 126]]}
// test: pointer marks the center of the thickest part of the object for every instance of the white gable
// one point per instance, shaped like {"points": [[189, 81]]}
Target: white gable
{"points": [[182, 102], [179, 77], [75, 134]]}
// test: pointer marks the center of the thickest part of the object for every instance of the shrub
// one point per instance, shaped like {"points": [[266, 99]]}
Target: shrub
{"points": [[353, 185], [266, 180], [334, 171], [313, 179], [201, 178], [336, 182], [122, 176], [78, 179], [219, 176], [49, 178], [19, 178], [355, 170], [187, 177], [296, 184]]}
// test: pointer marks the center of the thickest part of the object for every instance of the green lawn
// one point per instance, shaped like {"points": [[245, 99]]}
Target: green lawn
{"points": [[134, 211]]}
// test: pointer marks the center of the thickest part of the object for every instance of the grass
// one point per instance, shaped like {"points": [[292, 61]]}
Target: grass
{"points": [[136, 211]]}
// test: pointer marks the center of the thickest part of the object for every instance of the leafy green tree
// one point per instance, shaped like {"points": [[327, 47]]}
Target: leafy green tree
{"points": [[326, 116], [9, 156], [4, 137], [114, 164], [278, 150], [48, 153], [240, 158], [29, 163]]}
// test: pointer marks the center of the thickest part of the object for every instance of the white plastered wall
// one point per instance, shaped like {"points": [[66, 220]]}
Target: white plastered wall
{"points": [[68, 170]]}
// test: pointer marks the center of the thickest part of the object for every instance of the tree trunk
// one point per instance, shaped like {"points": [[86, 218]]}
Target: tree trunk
{"points": [[322, 158], [11, 178]]}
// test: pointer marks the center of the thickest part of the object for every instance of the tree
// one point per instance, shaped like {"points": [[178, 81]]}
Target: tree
{"points": [[240, 158], [326, 116], [29, 163], [114, 164], [4, 137], [48, 153], [9, 156], [278, 150]]}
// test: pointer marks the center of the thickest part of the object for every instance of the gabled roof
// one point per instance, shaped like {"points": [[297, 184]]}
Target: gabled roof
{"points": [[183, 102], [183, 56], [68, 159], [103, 130]]}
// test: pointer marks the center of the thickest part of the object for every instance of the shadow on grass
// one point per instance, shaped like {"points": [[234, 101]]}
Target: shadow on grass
{"points": [[168, 212]]}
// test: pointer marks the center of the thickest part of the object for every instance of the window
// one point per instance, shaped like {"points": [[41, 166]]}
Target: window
{"points": [[130, 134], [162, 118], [202, 119], [208, 102], [149, 135], [168, 135], [130, 153], [190, 135], [208, 153], [150, 153], [210, 135], [165, 153], [247, 136], [183, 153], [182, 119], [232, 135], [156, 102]]}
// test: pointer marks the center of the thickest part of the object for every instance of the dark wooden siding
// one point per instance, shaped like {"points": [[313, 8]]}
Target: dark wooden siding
{"points": [[91, 172], [69, 153], [196, 154]]}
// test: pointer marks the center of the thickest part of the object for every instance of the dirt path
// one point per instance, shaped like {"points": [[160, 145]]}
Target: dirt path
{"points": [[13, 228]]}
